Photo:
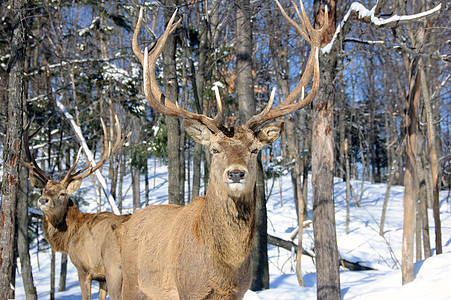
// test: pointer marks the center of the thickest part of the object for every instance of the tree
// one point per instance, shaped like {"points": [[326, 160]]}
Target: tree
{"points": [[171, 89], [13, 144], [322, 141], [22, 236], [325, 239], [245, 94]]}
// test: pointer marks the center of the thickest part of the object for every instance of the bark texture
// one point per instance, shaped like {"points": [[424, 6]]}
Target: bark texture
{"points": [[245, 94], [22, 237], [325, 239], [171, 90], [13, 144]]}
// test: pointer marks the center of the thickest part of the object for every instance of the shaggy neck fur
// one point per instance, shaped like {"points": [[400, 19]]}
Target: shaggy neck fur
{"points": [[59, 229], [228, 224]]}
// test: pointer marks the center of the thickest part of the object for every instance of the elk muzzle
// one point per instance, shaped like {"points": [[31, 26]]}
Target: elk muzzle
{"points": [[236, 176], [43, 203]]}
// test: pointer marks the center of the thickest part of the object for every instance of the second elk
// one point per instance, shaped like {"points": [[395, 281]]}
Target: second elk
{"points": [[202, 250], [90, 240]]}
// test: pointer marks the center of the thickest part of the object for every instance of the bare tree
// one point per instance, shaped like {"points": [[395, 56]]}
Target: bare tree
{"points": [[22, 237], [245, 94], [13, 145], [171, 89]]}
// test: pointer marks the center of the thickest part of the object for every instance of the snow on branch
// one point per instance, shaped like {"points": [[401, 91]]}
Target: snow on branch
{"points": [[359, 12], [359, 41], [72, 62]]}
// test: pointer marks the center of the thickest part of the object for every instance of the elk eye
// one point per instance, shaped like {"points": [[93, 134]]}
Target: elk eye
{"points": [[214, 151], [255, 151], [62, 194]]}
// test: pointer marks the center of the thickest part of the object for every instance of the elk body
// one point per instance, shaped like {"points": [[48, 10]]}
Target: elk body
{"points": [[202, 250], [90, 240]]}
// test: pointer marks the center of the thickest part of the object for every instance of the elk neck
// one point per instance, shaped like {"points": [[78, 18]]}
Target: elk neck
{"points": [[227, 223], [59, 229]]}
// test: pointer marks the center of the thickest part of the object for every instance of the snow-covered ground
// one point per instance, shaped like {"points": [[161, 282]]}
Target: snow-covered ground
{"points": [[363, 244]]}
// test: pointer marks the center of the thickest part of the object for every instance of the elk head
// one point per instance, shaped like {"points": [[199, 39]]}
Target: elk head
{"points": [[234, 149], [54, 199], [234, 153]]}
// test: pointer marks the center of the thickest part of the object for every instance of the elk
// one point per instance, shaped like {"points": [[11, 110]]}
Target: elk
{"points": [[202, 250], [90, 240]]}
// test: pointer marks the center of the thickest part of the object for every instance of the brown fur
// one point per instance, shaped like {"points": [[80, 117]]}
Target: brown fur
{"points": [[202, 250], [90, 240]]}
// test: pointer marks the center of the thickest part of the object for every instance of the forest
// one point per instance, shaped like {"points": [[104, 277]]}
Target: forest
{"points": [[381, 114]]}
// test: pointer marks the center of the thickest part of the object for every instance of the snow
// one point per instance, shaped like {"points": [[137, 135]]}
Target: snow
{"points": [[363, 244], [363, 12]]}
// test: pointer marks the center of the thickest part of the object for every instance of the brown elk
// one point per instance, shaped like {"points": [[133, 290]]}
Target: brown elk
{"points": [[202, 250], [90, 240]]}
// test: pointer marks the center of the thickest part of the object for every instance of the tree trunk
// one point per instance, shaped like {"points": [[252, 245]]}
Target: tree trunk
{"points": [[433, 153], [342, 142], [410, 178], [12, 146], [422, 171], [299, 165], [22, 237], [171, 90], [146, 182], [122, 169], [198, 92], [348, 185], [325, 240], [245, 94], [114, 166], [63, 273], [244, 82], [52, 275], [197, 155], [136, 169], [136, 187], [260, 268], [418, 244]]}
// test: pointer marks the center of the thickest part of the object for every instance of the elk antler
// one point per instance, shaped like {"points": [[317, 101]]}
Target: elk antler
{"points": [[86, 171], [153, 93], [32, 164], [108, 149], [313, 37]]}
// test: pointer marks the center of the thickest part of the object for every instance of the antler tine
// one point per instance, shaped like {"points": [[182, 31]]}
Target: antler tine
{"points": [[32, 164], [219, 116], [119, 140], [313, 37], [154, 95], [135, 44], [107, 151], [265, 111], [69, 175], [299, 28], [89, 168]]}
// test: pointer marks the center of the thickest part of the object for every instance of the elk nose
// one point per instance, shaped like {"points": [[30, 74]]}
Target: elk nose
{"points": [[236, 175], [43, 201]]}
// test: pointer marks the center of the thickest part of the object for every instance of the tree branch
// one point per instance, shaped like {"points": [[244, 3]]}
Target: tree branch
{"points": [[88, 153], [358, 12], [289, 245]]}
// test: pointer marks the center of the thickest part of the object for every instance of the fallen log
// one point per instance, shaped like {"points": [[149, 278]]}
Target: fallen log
{"points": [[289, 245]]}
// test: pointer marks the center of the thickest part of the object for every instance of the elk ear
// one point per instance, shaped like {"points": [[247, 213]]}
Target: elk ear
{"points": [[73, 186], [198, 131], [36, 181], [270, 133]]}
